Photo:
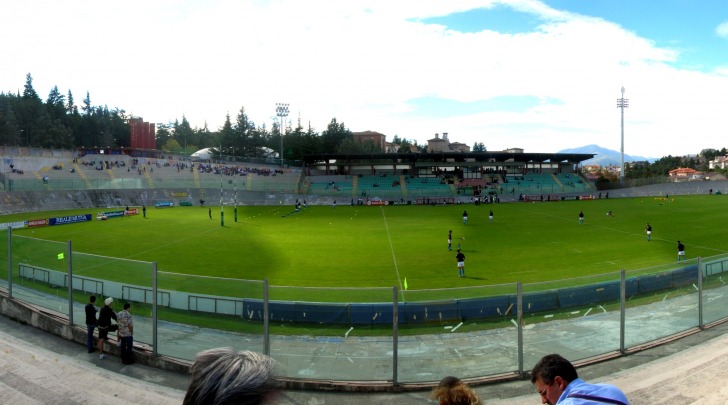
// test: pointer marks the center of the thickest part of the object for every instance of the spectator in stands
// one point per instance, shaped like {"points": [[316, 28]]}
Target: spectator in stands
{"points": [[106, 314], [581, 217], [557, 382], [452, 391], [126, 334], [223, 376], [90, 323]]}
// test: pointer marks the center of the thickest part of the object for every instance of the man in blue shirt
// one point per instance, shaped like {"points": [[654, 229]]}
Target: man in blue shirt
{"points": [[557, 382]]}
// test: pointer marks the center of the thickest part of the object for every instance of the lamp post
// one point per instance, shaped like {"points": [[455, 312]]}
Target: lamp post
{"points": [[235, 188], [222, 211], [622, 103], [281, 112]]}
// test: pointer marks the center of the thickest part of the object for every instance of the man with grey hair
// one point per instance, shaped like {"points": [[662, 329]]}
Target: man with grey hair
{"points": [[223, 376]]}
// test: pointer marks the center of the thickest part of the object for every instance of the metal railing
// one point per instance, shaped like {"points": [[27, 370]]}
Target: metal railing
{"points": [[376, 335]]}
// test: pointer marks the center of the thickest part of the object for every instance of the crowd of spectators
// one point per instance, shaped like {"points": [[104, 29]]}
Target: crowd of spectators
{"points": [[236, 170]]}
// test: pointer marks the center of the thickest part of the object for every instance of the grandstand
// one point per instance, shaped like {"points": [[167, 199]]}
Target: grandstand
{"points": [[385, 176], [413, 178]]}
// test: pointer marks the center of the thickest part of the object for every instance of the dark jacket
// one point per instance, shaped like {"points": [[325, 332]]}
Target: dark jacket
{"points": [[105, 316], [90, 314]]}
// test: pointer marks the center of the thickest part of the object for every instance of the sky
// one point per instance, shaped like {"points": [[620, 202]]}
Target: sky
{"points": [[542, 75]]}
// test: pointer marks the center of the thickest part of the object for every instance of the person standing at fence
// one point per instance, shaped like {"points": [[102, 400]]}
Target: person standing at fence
{"points": [[106, 314], [452, 391], [90, 323], [581, 217], [557, 382], [648, 231], [460, 257], [681, 251], [126, 334]]}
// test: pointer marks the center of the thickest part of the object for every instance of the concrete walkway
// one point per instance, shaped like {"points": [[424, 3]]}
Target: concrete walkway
{"points": [[39, 368]]}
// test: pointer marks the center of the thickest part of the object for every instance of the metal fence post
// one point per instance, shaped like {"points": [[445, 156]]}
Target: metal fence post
{"points": [[519, 315], [266, 325], [70, 283], [155, 349], [395, 333], [701, 322], [622, 311], [10, 262]]}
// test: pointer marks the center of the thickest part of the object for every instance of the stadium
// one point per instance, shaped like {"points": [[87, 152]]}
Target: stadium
{"points": [[593, 291]]}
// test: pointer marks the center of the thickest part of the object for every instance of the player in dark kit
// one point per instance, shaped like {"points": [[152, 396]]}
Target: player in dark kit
{"points": [[460, 257], [681, 251]]}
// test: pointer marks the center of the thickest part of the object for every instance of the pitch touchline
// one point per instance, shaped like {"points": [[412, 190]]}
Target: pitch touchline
{"points": [[394, 258]]}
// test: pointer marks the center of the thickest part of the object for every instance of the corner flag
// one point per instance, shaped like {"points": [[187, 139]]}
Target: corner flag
{"points": [[60, 256], [405, 283]]}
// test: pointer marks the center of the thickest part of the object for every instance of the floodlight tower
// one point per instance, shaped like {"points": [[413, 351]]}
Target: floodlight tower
{"points": [[281, 112], [222, 210], [235, 188], [622, 103]]}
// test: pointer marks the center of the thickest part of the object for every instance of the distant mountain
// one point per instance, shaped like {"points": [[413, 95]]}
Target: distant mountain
{"points": [[606, 157]]}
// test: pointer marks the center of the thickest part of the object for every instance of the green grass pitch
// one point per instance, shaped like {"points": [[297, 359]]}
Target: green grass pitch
{"points": [[368, 246]]}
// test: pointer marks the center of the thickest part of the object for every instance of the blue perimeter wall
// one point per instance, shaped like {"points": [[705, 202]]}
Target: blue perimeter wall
{"points": [[470, 308]]}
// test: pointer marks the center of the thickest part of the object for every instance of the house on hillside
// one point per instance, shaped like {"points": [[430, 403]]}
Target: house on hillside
{"points": [[378, 139], [713, 176], [685, 174], [720, 162], [443, 144]]}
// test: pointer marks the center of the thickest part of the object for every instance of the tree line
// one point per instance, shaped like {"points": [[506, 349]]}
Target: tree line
{"points": [[662, 166], [58, 122]]}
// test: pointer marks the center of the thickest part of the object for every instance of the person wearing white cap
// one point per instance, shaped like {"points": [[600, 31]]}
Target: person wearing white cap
{"points": [[105, 316]]}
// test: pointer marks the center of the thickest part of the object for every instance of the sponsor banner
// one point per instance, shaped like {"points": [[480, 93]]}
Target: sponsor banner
{"points": [[38, 222], [179, 195], [14, 225], [110, 214], [377, 202], [587, 197], [569, 198], [73, 219], [164, 204], [133, 211]]}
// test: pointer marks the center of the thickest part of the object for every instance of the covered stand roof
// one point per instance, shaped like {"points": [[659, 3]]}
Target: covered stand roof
{"points": [[435, 157]]}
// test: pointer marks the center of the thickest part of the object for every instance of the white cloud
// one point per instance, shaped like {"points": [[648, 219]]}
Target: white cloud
{"points": [[722, 30], [362, 62]]}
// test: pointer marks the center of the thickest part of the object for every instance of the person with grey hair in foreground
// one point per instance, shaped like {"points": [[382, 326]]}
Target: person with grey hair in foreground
{"points": [[223, 376]]}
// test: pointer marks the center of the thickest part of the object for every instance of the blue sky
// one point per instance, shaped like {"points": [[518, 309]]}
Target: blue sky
{"points": [[538, 75]]}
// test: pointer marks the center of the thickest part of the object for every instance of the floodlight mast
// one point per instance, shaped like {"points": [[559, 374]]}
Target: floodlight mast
{"points": [[222, 211], [281, 112], [622, 103]]}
